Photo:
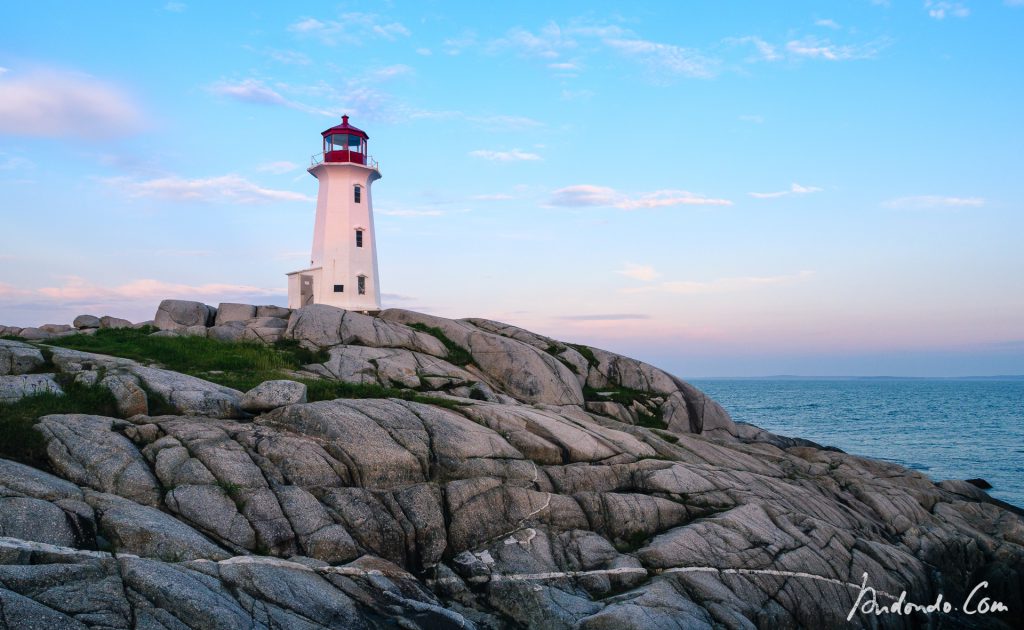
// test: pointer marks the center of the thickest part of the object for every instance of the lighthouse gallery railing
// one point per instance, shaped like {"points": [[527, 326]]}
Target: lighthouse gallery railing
{"points": [[318, 158]]}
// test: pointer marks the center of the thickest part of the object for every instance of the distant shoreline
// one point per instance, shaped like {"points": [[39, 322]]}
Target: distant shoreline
{"points": [[791, 377]]}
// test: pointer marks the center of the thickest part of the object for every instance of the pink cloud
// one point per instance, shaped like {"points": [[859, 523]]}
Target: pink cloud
{"points": [[53, 103]]}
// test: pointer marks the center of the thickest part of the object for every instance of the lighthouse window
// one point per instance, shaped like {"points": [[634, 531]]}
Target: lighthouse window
{"points": [[361, 285], [339, 288], [358, 193], [359, 238]]}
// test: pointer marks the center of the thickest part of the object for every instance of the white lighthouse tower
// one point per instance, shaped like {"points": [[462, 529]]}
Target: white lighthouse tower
{"points": [[343, 265]]}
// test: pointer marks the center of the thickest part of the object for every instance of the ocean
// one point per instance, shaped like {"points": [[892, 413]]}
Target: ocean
{"points": [[945, 428]]}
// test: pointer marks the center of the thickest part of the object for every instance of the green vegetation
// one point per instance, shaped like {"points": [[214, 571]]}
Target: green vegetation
{"points": [[626, 397], [668, 437], [556, 351], [238, 364], [457, 355], [241, 365], [23, 443], [587, 353]]}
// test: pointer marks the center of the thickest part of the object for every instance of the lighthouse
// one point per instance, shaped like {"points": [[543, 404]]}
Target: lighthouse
{"points": [[343, 264]]}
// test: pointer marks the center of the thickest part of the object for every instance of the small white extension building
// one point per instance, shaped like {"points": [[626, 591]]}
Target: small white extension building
{"points": [[343, 264]]}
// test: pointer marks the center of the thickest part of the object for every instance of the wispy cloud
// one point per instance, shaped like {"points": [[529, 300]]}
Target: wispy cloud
{"points": [[940, 9], [14, 162], [669, 58], [794, 189], [78, 289], [493, 197], [349, 28], [492, 122], [249, 91], [821, 48], [720, 285], [278, 168], [586, 195], [230, 188], [514, 155], [923, 202], [389, 72], [53, 103], [411, 213], [547, 43], [751, 118], [827, 23], [290, 57], [764, 50], [613, 317], [175, 7], [646, 273], [809, 47]]}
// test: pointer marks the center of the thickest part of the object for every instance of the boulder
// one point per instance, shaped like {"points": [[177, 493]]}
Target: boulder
{"points": [[273, 394], [230, 312], [148, 322], [89, 452], [34, 519], [317, 324], [21, 480], [14, 388], [86, 321], [35, 334], [273, 311], [178, 314], [231, 331], [56, 328], [190, 395], [19, 358], [131, 399], [519, 369], [148, 532], [114, 322], [263, 334]]}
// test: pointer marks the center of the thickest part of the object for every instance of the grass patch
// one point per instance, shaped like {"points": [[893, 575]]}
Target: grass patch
{"points": [[457, 355], [556, 351], [13, 338], [587, 353], [668, 437], [22, 443], [626, 397], [622, 395], [241, 365]]}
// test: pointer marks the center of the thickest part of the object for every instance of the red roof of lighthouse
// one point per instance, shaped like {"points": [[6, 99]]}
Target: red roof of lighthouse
{"points": [[344, 127]]}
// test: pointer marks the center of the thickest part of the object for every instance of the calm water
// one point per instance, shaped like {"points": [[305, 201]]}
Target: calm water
{"points": [[947, 429]]}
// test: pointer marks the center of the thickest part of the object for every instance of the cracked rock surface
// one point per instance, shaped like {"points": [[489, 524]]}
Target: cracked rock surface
{"points": [[551, 486]]}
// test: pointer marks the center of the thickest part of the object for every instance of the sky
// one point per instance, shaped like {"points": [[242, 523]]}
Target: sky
{"points": [[721, 189]]}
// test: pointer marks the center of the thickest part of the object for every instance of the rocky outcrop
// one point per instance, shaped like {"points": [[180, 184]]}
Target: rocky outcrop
{"points": [[86, 321], [18, 358], [14, 388], [273, 394], [531, 483], [181, 314]]}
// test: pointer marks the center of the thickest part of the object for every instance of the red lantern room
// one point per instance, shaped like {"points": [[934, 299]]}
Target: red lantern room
{"points": [[345, 143]]}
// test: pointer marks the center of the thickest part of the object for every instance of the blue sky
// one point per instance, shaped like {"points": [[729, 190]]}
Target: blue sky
{"points": [[722, 189]]}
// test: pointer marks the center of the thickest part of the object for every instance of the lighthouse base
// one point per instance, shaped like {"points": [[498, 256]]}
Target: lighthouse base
{"points": [[309, 286]]}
